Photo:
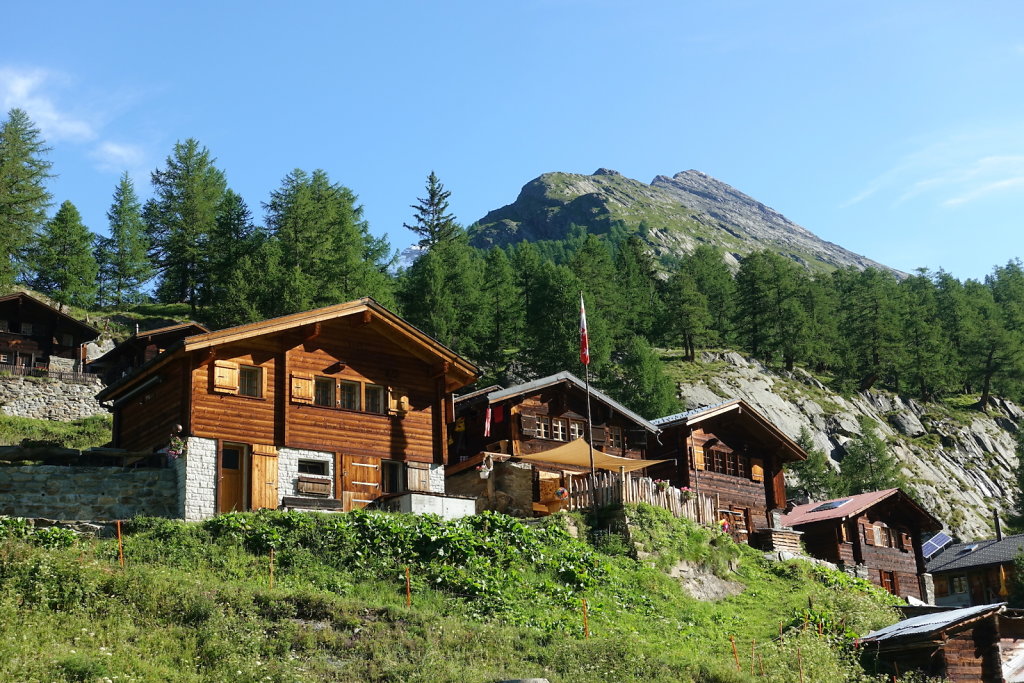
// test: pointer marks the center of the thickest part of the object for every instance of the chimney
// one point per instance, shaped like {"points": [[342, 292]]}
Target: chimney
{"points": [[999, 527]]}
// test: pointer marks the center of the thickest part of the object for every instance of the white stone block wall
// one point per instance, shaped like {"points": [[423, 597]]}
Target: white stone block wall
{"points": [[437, 478], [288, 470], [199, 497]]}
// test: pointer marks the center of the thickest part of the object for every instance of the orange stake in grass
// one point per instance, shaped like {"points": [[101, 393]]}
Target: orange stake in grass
{"points": [[120, 545], [753, 646], [735, 654], [586, 626]]}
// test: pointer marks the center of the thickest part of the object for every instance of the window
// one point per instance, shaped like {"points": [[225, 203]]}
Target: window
{"points": [[350, 395], [576, 429], [889, 582], [317, 467], [391, 476], [67, 340], [231, 458], [376, 399], [250, 381], [323, 392], [3, 326], [543, 427], [558, 429], [26, 328], [959, 584], [615, 437], [727, 462]]}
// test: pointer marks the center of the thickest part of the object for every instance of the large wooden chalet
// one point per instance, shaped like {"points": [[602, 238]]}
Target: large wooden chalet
{"points": [[731, 452], [875, 534], [338, 405], [37, 338]]}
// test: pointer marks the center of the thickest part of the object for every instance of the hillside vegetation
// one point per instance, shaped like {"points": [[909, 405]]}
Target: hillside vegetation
{"points": [[492, 597]]}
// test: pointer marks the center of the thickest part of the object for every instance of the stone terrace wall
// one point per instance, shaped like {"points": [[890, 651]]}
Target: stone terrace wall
{"points": [[94, 493], [50, 399]]}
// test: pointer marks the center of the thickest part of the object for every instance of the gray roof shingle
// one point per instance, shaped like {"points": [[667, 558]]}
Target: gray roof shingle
{"points": [[984, 553]]}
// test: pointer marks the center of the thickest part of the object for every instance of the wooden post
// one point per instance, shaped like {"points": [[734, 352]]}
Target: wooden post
{"points": [[760, 663], [408, 588], [753, 646], [586, 625], [735, 654], [271, 568], [622, 484], [120, 545], [800, 661]]}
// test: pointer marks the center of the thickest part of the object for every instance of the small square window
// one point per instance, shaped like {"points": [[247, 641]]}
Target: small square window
{"points": [[26, 328], [392, 476], [350, 395], [317, 467], [250, 381], [323, 394], [544, 427], [615, 437], [375, 401], [67, 340], [576, 430], [558, 429]]}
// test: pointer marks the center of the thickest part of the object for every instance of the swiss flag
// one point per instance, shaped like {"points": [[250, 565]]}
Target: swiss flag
{"points": [[584, 343]]}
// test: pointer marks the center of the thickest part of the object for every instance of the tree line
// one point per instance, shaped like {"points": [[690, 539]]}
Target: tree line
{"points": [[511, 310]]}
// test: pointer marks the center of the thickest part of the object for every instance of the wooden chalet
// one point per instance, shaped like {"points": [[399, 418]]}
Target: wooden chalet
{"points": [[731, 452], [876, 535], [977, 572], [982, 643], [36, 338], [522, 423], [328, 408], [141, 348]]}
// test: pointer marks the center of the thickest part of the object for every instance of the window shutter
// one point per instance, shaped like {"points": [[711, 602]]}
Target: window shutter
{"points": [[698, 456], [225, 377], [600, 435], [869, 535], [399, 401], [528, 425], [756, 469], [302, 388], [905, 542]]}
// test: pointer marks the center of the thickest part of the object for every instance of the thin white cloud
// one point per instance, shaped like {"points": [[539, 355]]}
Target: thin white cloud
{"points": [[984, 190], [29, 89], [116, 156]]}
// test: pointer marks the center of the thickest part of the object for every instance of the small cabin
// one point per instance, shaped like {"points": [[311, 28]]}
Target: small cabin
{"points": [[516, 426], [325, 409], [141, 348], [876, 535], [976, 572], [36, 338], [733, 453]]}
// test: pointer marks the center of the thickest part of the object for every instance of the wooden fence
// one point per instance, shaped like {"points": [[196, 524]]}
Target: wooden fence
{"points": [[45, 371], [610, 488]]}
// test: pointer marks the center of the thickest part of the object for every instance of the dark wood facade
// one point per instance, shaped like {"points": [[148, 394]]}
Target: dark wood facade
{"points": [[32, 334], [732, 452], [878, 533], [976, 572], [352, 380], [141, 348]]}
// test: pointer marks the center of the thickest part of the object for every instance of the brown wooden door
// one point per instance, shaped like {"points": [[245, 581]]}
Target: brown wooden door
{"points": [[360, 480], [263, 482], [231, 462]]}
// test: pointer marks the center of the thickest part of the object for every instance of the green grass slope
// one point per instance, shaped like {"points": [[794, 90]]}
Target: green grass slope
{"points": [[492, 598]]}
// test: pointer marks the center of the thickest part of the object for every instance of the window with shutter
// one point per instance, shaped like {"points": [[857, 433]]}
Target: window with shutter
{"points": [[225, 377], [869, 535], [302, 388], [756, 469], [906, 543], [399, 402], [528, 425], [698, 456], [599, 435]]}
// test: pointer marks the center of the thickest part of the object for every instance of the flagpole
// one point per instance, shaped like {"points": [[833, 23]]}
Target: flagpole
{"points": [[585, 360], [590, 423]]}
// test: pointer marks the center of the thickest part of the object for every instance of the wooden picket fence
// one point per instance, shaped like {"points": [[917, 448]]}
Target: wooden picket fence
{"points": [[611, 488]]}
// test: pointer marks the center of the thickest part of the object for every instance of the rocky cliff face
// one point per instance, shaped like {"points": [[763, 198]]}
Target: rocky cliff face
{"points": [[673, 215], [960, 462]]}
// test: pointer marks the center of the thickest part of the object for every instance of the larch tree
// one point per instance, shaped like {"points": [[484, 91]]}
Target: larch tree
{"points": [[63, 262], [641, 383], [504, 317], [123, 256], [868, 465], [431, 220], [686, 320], [24, 199]]}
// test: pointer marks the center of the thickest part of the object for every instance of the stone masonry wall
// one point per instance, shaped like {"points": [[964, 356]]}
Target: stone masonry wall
{"points": [[288, 469], [93, 493], [50, 399], [197, 480]]}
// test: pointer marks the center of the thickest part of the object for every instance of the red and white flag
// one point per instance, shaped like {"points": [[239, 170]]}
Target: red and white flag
{"points": [[584, 343], [487, 421]]}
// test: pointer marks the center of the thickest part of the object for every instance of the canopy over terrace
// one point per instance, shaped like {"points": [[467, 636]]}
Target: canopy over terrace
{"points": [[577, 454]]}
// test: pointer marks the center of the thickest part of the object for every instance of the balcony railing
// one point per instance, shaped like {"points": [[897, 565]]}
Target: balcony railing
{"points": [[43, 370]]}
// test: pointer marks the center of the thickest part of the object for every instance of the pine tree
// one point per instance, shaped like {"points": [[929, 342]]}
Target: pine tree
{"points": [[63, 260], [928, 354], [638, 286], [871, 320], [818, 479], [432, 222], [23, 195], [868, 465], [123, 257], [504, 317], [770, 316], [232, 239], [716, 283], [686, 319], [642, 384], [594, 267], [180, 219]]}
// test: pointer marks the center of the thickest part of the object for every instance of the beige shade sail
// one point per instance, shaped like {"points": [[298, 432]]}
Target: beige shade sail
{"points": [[577, 454]]}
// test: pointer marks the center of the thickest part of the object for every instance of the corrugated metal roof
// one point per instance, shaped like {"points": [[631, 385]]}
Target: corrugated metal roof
{"points": [[927, 624], [987, 552], [805, 514], [566, 376]]}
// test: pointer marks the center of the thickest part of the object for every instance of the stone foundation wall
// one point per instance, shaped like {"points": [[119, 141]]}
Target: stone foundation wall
{"points": [[50, 399], [93, 493], [197, 480]]}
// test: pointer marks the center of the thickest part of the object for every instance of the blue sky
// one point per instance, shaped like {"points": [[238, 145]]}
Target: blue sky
{"points": [[893, 129]]}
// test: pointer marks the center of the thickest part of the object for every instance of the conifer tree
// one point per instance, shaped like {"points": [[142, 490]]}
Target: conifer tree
{"points": [[871, 316], [716, 283], [638, 286], [179, 221], [640, 380], [63, 260], [928, 354], [23, 195], [770, 317], [594, 267], [504, 317], [868, 465], [686, 319], [817, 476], [123, 257], [431, 221]]}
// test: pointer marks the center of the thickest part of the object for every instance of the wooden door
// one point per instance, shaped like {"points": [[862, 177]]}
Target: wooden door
{"points": [[263, 482], [230, 476], [360, 481]]}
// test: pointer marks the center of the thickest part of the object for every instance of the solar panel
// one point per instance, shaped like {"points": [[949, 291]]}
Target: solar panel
{"points": [[831, 505], [935, 544]]}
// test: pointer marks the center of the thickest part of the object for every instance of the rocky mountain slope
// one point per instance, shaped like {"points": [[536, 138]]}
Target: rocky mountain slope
{"points": [[960, 462], [673, 215]]}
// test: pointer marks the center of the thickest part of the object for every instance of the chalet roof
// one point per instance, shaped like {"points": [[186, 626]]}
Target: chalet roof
{"points": [[175, 332], [841, 509], [740, 407], [924, 626], [421, 344], [961, 556], [497, 394], [88, 332]]}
